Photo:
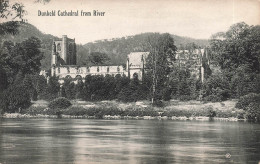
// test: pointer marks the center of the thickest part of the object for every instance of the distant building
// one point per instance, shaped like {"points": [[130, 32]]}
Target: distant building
{"points": [[64, 62], [136, 64], [193, 59], [64, 51]]}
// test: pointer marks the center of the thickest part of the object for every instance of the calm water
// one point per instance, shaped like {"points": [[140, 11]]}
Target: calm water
{"points": [[127, 141]]}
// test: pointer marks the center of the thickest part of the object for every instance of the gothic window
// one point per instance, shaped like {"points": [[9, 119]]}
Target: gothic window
{"points": [[97, 69], [78, 77], [78, 69], [68, 77], [88, 70], [118, 69], [68, 69], [58, 47], [70, 48], [107, 69]]}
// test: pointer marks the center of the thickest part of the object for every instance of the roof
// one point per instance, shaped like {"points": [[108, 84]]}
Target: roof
{"points": [[135, 58]]}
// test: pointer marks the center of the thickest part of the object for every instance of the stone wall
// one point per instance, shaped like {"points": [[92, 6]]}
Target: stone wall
{"points": [[82, 72]]}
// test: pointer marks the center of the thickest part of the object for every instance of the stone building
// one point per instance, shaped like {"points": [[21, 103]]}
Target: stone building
{"points": [[193, 59], [136, 62], [64, 51], [64, 62]]}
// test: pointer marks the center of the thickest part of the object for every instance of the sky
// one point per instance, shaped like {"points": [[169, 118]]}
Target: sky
{"points": [[197, 19]]}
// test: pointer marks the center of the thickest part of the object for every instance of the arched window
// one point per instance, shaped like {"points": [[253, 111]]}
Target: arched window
{"points": [[97, 69], [118, 69], [107, 69], [135, 75], [58, 47], [68, 77], [78, 77], [70, 48]]}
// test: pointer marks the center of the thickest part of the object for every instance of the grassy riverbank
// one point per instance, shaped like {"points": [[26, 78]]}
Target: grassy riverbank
{"points": [[138, 110]]}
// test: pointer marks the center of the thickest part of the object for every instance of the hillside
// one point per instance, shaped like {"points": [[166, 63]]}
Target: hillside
{"points": [[117, 48], [26, 31]]}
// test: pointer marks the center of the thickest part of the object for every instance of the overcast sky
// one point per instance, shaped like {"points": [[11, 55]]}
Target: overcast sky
{"points": [[192, 18]]}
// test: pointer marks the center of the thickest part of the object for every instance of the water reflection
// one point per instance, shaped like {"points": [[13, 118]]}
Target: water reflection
{"points": [[127, 141]]}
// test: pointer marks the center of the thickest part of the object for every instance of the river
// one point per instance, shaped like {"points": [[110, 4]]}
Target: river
{"points": [[127, 141]]}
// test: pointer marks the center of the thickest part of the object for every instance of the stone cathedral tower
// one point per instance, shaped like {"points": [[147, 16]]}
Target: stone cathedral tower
{"points": [[64, 52]]}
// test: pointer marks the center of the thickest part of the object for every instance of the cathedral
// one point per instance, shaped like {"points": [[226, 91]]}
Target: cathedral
{"points": [[64, 59], [64, 63]]}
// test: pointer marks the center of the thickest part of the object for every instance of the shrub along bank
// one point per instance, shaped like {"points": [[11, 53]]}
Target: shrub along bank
{"points": [[114, 109]]}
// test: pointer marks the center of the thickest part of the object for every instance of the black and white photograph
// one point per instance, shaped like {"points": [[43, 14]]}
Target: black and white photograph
{"points": [[129, 81]]}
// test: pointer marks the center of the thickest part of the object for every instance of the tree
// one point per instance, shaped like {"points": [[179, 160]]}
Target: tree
{"points": [[160, 61], [53, 88], [237, 52], [15, 98], [98, 58], [240, 45], [69, 88], [79, 90], [14, 11], [3, 81], [21, 58]]}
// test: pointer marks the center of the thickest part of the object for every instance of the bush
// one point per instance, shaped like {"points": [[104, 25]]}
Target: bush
{"points": [[212, 98], [244, 101], [240, 114], [167, 94], [15, 98], [211, 112], [34, 110], [59, 103], [218, 95], [184, 97], [253, 111], [158, 103]]}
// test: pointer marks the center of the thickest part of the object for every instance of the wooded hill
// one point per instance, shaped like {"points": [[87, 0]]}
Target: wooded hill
{"points": [[116, 48]]}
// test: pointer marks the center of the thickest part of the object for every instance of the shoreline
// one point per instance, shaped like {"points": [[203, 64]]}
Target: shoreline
{"points": [[142, 110], [117, 117]]}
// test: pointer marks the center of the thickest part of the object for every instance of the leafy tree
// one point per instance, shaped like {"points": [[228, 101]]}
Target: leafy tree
{"points": [[216, 88], [15, 98], [69, 89], [12, 11], [109, 87], [120, 83], [39, 83], [4, 79], [21, 58], [160, 61], [59, 103], [27, 83], [79, 90], [237, 53], [238, 46], [98, 58], [53, 88]]}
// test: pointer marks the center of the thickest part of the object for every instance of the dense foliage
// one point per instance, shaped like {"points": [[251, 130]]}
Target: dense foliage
{"points": [[244, 101], [18, 62], [59, 103], [251, 104], [14, 99], [237, 54]]}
